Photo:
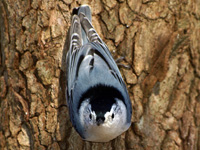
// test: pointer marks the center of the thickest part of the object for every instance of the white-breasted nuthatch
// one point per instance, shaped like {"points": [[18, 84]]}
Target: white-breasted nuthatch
{"points": [[99, 104]]}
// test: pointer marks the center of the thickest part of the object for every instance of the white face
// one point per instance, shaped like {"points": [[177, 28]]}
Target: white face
{"points": [[113, 125]]}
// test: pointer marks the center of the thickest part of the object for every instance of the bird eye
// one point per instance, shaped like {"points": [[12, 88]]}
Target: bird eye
{"points": [[90, 116], [112, 116]]}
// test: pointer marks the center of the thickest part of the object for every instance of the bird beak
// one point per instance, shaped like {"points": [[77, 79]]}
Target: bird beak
{"points": [[99, 121]]}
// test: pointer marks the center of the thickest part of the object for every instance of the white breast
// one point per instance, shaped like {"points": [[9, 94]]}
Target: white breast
{"points": [[104, 133]]}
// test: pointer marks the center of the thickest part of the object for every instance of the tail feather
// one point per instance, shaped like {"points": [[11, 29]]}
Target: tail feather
{"points": [[89, 29], [75, 33], [85, 9]]}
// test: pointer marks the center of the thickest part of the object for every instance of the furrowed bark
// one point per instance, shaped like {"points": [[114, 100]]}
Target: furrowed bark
{"points": [[160, 43]]}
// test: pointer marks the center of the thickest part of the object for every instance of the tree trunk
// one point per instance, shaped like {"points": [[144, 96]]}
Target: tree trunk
{"points": [[160, 41]]}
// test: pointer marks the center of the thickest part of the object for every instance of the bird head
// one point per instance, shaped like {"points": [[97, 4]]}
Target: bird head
{"points": [[103, 119]]}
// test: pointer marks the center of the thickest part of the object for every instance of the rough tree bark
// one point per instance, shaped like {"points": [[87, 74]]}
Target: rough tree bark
{"points": [[159, 39]]}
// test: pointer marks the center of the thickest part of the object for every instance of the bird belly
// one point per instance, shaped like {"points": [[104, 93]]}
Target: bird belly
{"points": [[104, 133]]}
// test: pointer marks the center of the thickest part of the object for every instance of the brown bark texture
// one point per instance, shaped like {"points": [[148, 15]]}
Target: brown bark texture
{"points": [[160, 41]]}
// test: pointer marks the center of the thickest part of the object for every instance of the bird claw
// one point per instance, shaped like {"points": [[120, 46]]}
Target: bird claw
{"points": [[124, 66], [119, 64], [118, 60]]}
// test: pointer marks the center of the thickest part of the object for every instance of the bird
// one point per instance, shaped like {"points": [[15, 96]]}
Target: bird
{"points": [[99, 104]]}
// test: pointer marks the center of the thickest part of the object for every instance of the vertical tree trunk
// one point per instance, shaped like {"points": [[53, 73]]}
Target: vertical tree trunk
{"points": [[160, 40]]}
